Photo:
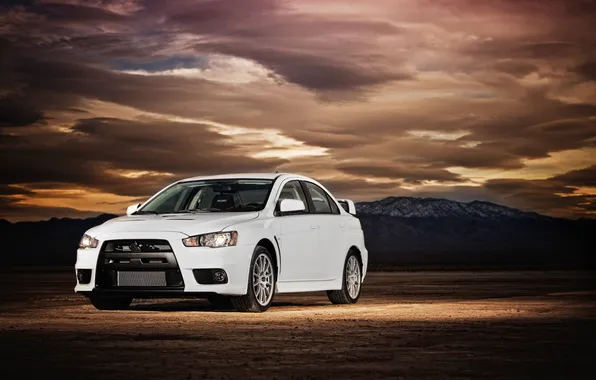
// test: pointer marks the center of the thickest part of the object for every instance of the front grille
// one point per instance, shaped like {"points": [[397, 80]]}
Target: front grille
{"points": [[140, 263], [139, 278], [137, 246]]}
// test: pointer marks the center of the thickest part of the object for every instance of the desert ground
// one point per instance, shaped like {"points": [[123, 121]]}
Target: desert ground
{"points": [[407, 325]]}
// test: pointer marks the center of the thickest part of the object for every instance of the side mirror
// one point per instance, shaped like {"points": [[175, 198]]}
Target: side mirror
{"points": [[348, 205], [291, 205], [132, 208]]}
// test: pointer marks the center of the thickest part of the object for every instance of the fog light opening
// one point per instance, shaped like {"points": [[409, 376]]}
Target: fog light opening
{"points": [[220, 276], [84, 276]]}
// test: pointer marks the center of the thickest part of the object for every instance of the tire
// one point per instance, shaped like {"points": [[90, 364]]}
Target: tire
{"points": [[220, 302], [351, 282], [255, 300], [110, 303]]}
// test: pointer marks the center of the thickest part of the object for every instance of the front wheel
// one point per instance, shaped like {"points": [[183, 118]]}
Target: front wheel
{"points": [[261, 284], [351, 284], [110, 303]]}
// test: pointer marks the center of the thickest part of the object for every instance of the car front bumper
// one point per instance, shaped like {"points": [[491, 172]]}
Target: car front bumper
{"points": [[235, 261]]}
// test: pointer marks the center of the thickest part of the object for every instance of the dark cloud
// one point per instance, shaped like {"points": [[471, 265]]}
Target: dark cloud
{"points": [[538, 140], [99, 148], [408, 174], [315, 72], [357, 189], [6, 139], [14, 112], [80, 13], [519, 50], [287, 42], [14, 211], [52, 83], [207, 15], [329, 139], [518, 68], [587, 70], [481, 156], [557, 195], [404, 92], [13, 190], [581, 177]]}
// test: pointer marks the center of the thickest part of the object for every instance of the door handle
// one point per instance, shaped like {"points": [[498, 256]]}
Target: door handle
{"points": [[314, 226], [342, 225]]}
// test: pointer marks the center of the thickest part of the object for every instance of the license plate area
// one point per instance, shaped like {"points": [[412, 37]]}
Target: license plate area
{"points": [[141, 278]]}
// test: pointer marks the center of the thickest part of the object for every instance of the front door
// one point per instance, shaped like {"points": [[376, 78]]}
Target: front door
{"points": [[326, 214], [298, 239]]}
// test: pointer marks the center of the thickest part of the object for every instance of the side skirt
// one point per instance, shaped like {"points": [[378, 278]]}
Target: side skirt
{"points": [[308, 286]]}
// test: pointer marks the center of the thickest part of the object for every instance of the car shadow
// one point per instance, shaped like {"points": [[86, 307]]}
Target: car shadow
{"points": [[186, 305], [204, 306]]}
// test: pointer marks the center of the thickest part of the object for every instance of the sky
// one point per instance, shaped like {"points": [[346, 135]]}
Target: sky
{"points": [[104, 102]]}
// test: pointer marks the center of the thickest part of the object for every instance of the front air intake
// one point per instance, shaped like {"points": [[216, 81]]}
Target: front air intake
{"points": [[142, 279], [138, 264]]}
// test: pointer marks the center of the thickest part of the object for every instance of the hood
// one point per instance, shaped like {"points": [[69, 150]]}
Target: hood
{"points": [[189, 224]]}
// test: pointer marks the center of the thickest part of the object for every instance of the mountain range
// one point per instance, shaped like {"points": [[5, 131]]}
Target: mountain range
{"points": [[398, 231], [406, 230], [409, 207]]}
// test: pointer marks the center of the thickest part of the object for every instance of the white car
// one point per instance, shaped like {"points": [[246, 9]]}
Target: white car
{"points": [[233, 239]]}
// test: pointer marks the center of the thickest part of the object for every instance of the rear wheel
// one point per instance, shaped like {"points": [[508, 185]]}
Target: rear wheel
{"points": [[261, 284], [351, 284], [110, 303]]}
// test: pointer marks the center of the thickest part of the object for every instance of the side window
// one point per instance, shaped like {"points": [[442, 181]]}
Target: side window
{"points": [[319, 198], [293, 190], [334, 208]]}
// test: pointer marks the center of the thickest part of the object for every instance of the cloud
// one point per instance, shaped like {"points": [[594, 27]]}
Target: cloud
{"points": [[101, 153], [398, 171], [121, 7], [13, 211], [13, 190], [580, 177], [378, 100], [315, 72], [15, 113], [587, 70], [288, 42], [569, 194], [225, 69]]}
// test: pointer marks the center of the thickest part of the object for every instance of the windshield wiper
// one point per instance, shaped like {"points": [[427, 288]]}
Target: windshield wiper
{"points": [[145, 212], [208, 209], [193, 211]]}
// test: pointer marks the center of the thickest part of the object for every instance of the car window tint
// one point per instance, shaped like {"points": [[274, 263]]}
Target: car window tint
{"points": [[319, 198], [293, 190], [217, 195], [334, 208]]}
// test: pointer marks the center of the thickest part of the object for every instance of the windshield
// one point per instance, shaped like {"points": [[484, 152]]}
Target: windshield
{"points": [[230, 195]]}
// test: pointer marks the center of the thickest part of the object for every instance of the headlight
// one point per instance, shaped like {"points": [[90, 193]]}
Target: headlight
{"points": [[213, 240], [88, 242]]}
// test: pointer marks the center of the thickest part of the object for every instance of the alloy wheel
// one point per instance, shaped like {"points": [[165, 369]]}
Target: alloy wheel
{"points": [[262, 279]]}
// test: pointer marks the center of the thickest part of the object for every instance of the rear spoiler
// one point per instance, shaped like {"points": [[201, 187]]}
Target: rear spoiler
{"points": [[348, 205]]}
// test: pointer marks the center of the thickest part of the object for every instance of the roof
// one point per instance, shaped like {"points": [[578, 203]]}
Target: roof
{"points": [[238, 175]]}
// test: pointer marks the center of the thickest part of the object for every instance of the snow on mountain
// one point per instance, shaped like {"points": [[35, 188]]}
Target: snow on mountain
{"points": [[410, 207]]}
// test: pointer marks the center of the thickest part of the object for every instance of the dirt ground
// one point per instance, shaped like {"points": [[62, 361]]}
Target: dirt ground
{"points": [[414, 325]]}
